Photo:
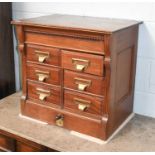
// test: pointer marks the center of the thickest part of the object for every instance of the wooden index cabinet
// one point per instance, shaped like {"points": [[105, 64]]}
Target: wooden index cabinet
{"points": [[78, 72]]}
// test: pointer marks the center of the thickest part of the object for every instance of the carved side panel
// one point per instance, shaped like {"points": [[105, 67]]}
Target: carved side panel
{"points": [[123, 74]]}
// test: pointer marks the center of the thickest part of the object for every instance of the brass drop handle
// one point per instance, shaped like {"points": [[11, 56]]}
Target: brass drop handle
{"points": [[80, 64], [82, 84], [42, 56], [42, 75], [82, 104], [59, 120], [43, 94]]}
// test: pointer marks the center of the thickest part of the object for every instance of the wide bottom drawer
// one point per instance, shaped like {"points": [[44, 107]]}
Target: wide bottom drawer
{"points": [[65, 119]]}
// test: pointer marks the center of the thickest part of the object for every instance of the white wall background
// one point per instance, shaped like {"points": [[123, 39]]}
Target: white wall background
{"points": [[144, 102]]}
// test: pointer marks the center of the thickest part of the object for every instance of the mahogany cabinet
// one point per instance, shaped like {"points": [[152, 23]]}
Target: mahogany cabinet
{"points": [[78, 72], [7, 74]]}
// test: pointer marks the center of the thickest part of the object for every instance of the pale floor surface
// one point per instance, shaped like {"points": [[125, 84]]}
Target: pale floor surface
{"points": [[138, 135]]}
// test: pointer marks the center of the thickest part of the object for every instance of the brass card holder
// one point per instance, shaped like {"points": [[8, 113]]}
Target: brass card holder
{"points": [[42, 56], [43, 94], [82, 84], [80, 64], [42, 75], [82, 104]]}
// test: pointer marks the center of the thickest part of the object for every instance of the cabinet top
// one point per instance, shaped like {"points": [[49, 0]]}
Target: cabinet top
{"points": [[82, 23]]}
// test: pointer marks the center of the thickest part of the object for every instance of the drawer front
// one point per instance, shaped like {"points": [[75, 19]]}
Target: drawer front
{"points": [[46, 95], [43, 55], [81, 62], [66, 42], [49, 75], [7, 143], [83, 103], [84, 82], [70, 121], [29, 147]]}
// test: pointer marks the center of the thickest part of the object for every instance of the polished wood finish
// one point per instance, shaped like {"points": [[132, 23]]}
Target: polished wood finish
{"points": [[35, 90], [43, 113], [94, 103], [79, 23], [94, 84], [52, 74], [66, 42], [7, 73], [90, 63], [94, 62], [33, 51]]}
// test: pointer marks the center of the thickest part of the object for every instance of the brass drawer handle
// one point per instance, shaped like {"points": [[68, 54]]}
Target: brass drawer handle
{"points": [[82, 104], [43, 94], [42, 56], [82, 84], [42, 75], [80, 64], [59, 120]]}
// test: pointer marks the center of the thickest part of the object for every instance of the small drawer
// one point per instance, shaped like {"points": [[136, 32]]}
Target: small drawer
{"points": [[81, 62], [47, 95], [84, 82], [49, 75], [83, 103], [43, 55], [7, 144], [65, 119]]}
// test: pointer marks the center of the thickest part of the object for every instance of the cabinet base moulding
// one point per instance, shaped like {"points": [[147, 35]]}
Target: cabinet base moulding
{"points": [[99, 141], [87, 137]]}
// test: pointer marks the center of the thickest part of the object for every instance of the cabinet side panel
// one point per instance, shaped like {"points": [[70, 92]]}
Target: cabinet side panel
{"points": [[123, 47], [123, 74]]}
